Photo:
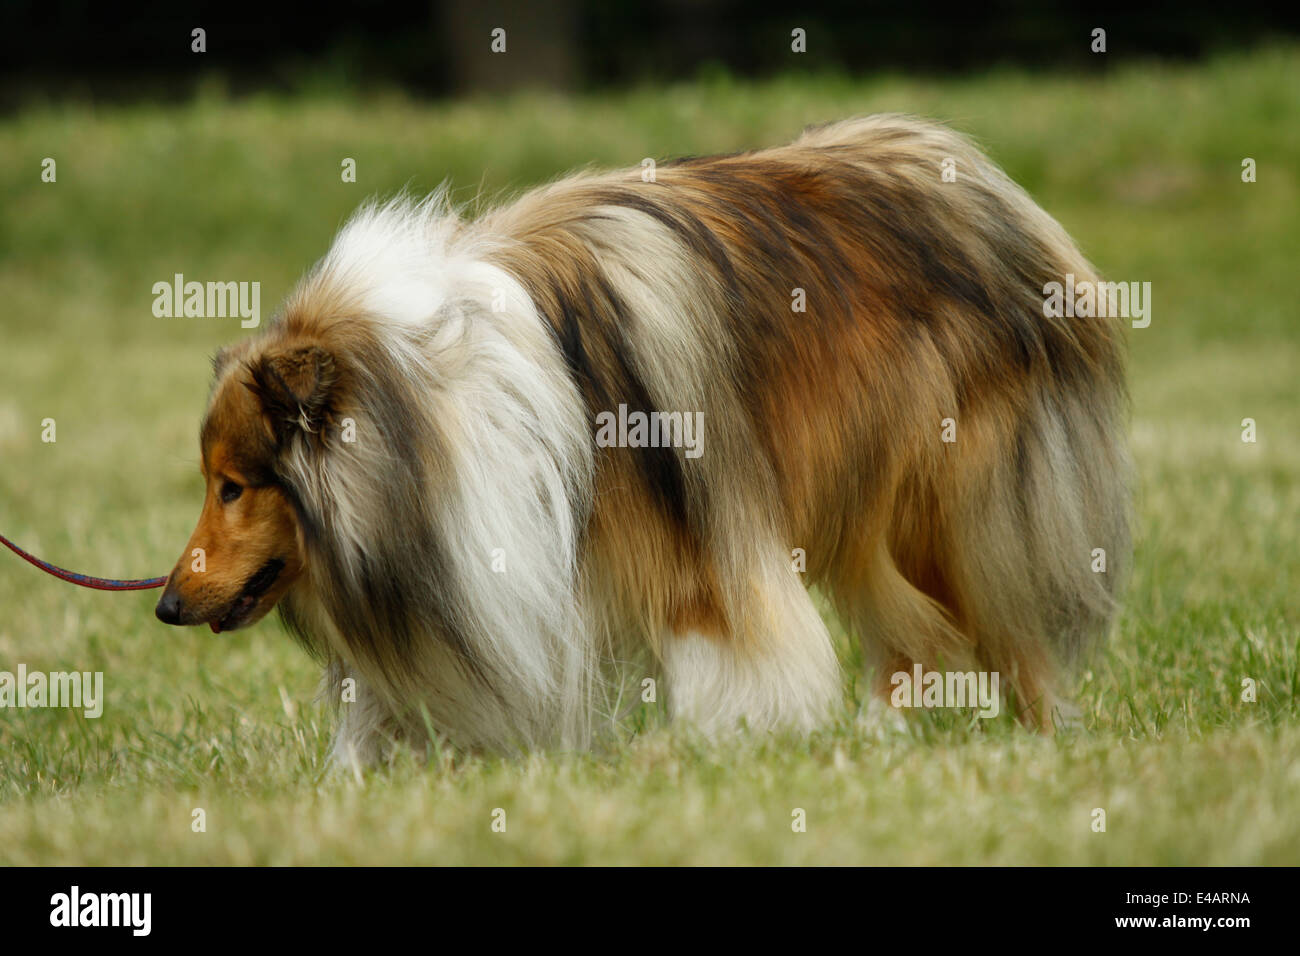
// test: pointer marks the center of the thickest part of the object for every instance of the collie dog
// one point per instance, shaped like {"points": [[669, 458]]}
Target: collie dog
{"points": [[475, 461]]}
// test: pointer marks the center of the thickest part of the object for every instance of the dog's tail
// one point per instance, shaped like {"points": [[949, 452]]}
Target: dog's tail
{"points": [[1042, 529], [1041, 540]]}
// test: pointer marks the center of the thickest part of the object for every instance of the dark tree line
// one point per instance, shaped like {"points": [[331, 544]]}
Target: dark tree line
{"points": [[105, 50]]}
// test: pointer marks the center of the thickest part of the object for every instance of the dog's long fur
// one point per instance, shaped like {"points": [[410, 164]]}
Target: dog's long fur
{"points": [[473, 556]]}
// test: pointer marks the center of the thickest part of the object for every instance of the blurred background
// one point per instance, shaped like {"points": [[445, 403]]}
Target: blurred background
{"points": [[432, 48]]}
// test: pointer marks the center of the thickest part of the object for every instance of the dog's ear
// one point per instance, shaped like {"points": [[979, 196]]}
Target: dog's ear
{"points": [[295, 387]]}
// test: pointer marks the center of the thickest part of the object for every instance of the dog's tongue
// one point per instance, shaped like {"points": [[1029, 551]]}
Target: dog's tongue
{"points": [[216, 626]]}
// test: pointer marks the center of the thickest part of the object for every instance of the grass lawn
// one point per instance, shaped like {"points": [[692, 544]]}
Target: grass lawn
{"points": [[1142, 166]]}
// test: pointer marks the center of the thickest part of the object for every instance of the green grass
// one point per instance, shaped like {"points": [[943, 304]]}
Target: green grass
{"points": [[1141, 166]]}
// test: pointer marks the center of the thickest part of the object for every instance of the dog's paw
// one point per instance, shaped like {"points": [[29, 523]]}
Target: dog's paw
{"points": [[877, 719]]}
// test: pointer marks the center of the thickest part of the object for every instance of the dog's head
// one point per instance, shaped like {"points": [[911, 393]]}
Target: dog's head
{"points": [[248, 548]]}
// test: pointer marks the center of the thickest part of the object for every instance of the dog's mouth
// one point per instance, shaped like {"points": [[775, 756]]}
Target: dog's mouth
{"points": [[246, 602]]}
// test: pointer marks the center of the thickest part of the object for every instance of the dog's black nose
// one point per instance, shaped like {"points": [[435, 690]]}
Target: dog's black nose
{"points": [[169, 608]]}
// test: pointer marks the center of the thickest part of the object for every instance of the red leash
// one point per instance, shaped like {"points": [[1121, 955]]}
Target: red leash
{"points": [[85, 580]]}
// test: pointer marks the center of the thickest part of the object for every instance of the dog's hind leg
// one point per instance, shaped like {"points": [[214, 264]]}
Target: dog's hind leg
{"points": [[897, 624], [774, 668]]}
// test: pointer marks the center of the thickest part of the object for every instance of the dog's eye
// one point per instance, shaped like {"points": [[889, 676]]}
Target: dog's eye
{"points": [[230, 491]]}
